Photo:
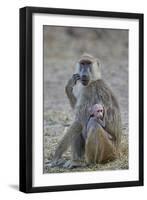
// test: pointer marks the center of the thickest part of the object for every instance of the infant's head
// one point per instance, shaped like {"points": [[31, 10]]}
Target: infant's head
{"points": [[97, 111]]}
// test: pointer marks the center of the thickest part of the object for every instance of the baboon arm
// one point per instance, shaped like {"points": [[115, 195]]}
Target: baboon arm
{"points": [[113, 124], [74, 130], [110, 128], [102, 122], [114, 129], [69, 92]]}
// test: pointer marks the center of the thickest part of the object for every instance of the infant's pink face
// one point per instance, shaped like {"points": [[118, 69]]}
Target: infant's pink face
{"points": [[98, 110]]}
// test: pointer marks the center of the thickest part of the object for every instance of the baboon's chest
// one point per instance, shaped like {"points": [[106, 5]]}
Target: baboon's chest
{"points": [[85, 100], [88, 97]]}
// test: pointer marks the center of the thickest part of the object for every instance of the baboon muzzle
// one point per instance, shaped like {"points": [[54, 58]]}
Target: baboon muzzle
{"points": [[85, 79]]}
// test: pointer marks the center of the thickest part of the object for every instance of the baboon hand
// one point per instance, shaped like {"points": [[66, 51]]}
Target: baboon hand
{"points": [[75, 78]]}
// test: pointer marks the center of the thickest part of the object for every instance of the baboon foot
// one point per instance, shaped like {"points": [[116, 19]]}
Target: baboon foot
{"points": [[73, 164], [56, 163]]}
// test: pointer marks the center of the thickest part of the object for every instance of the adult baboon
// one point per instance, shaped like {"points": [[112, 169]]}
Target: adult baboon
{"points": [[99, 147], [83, 90]]}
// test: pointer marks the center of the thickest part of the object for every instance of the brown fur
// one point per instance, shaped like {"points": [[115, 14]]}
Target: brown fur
{"points": [[99, 147]]}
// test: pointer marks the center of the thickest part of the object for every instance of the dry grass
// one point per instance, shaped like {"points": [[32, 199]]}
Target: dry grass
{"points": [[118, 164]]}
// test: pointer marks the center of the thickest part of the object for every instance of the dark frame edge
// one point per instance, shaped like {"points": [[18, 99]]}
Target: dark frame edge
{"points": [[141, 99], [22, 103], [25, 101], [92, 186], [96, 13]]}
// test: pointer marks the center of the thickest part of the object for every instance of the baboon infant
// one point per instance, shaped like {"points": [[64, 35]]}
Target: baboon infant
{"points": [[97, 112], [99, 147]]}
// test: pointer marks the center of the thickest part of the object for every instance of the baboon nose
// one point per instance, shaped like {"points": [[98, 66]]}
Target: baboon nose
{"points": [[85, 80]]}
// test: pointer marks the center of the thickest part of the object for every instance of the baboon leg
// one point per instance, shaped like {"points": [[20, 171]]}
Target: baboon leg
{"points": [[90, 149], [74, 130], [78, 147], [78, 151]]}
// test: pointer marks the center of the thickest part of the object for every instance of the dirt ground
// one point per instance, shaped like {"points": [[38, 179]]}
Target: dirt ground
{"points": [[62, 47]]}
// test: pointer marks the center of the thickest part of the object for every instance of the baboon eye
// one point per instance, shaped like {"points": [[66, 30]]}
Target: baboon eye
{"points": [[88, 62], [82, 63], [100, 111], [85, 62]]}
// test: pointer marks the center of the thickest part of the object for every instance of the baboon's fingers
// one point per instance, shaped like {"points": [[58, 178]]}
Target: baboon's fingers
{"points": [[76, 77]]}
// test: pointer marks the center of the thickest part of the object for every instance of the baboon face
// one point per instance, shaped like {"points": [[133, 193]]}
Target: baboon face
{"points": [[97, 111], [88, 69], [85, 70]]}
